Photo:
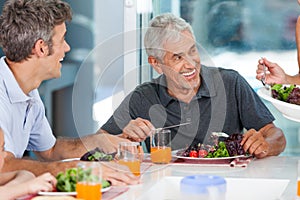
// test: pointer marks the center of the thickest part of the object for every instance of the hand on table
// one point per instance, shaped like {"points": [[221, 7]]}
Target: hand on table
{"points": [[118, 174], [254, 142]]}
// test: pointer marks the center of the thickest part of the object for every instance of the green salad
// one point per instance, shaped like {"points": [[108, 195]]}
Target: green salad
{"points": [[220, 152], [66, 181], [281, 92]]}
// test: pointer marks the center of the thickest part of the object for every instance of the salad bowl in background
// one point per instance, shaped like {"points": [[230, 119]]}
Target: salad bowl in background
{"points": [[288, 110]]}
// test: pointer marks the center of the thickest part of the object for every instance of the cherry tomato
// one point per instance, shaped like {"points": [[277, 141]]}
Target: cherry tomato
{"points": [[202, 153], [193, 154]]}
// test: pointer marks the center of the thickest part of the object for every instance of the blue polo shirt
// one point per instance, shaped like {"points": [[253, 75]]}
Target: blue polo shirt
{"points": [[22, 117], [224, 102]]}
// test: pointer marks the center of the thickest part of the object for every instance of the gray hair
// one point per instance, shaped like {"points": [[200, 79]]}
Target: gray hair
{"points": [[161, 29], [23, 22]]}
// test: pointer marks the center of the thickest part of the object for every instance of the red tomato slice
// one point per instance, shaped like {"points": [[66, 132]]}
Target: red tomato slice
{"points": [[193, 154], [202, 153]]}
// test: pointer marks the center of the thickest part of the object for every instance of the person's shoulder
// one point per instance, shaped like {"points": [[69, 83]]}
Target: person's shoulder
{"points": [[223, 71], [148, 86]]}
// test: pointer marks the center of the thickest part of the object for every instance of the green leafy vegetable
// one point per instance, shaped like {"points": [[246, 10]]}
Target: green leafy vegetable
{"points": [[221, 151], [282, 92], [105, 184], [97, 155], [100, 156], [66, 181]]}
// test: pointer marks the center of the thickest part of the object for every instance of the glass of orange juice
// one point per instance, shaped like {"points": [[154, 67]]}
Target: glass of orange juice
{"points": [[160, 151], [129, 155], [89, 178]]}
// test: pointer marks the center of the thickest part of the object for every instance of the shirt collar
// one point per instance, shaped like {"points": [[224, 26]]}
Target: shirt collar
{"points": [[14, 92], [164, 96], [207, 88]]}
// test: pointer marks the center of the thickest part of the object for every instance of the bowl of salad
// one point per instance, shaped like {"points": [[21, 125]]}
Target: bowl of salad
{"points": [[285, 98]]}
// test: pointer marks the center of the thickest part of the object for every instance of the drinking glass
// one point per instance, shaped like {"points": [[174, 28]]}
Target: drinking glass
{"points": [[89, 179], [129, 155], [160, 141]]}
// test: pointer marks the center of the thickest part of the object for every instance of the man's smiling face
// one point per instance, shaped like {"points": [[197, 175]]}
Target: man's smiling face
{"points": [[181, 63]]}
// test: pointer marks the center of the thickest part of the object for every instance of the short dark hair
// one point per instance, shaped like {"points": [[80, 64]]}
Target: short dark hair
{"points": [[23, 22]]}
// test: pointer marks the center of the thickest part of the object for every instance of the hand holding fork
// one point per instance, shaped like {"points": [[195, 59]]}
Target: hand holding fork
{"points": [[263, 79]]}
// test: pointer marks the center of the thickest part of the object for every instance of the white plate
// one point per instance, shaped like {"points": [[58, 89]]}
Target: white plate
{"points": [[105, 189], [288, 110], [221, 160], [57, 193], [70, 159], [67, 193]]}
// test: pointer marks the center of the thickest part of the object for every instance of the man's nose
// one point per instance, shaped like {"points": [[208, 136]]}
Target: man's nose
{"points": [[189, 61]]}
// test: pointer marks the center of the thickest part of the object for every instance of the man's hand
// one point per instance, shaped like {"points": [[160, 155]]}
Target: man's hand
{"points": [[118, 174], [138, 129], [255, 143], [107, 142]]}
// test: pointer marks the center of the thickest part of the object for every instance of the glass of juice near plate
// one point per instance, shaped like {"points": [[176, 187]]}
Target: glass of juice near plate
{"points": [[160, 150], [89, 179], [129, 155]]}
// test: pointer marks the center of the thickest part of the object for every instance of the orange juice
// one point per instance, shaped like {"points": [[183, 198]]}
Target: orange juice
{"points": [[133, 165], [161, 155], [298, 188], [88, 191]]}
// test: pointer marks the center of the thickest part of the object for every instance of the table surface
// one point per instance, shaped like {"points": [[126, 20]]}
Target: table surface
{"points": [[275, 167]]}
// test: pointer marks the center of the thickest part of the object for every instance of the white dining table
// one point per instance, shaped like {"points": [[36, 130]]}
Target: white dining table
{"points": [[267, 172]]}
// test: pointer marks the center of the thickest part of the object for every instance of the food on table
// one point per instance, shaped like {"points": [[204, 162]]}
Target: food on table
{"points": [[66, 181], [53, 198], [219, 152], [193, 153], [289, 94], [231, 146], [97, 155], [105, 184]]}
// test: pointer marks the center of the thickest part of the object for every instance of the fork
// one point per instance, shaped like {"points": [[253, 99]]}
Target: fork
{"points": [[220, 134], [173, 126], [263, 79]]}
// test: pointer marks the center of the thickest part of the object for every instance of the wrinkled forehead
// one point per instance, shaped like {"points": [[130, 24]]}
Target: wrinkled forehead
{"points": [[181, 43]]}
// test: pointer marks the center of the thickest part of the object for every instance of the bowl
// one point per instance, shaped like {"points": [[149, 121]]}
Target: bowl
{"points": [[288, 110]]}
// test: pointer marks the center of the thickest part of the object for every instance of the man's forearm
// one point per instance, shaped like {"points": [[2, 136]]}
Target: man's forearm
{"points": [[36, 167], [67, 148]]}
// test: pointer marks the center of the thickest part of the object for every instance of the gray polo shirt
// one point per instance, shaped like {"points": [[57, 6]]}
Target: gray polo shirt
{"points": [[225, 102], [22, 117]]}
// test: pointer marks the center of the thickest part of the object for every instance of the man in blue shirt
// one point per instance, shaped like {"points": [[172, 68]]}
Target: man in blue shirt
{"points": [[33, 40]]}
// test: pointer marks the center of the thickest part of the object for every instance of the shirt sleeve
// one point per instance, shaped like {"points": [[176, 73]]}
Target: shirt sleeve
{"points": [[253, 112], [41, 135], [120, 118]]}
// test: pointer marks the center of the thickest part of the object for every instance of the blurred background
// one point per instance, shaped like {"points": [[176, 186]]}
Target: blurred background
{"points": [[107, 59]]}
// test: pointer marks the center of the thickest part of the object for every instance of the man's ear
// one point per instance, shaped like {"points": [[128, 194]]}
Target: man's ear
{"points": [[41, 49], [155, 64]]}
